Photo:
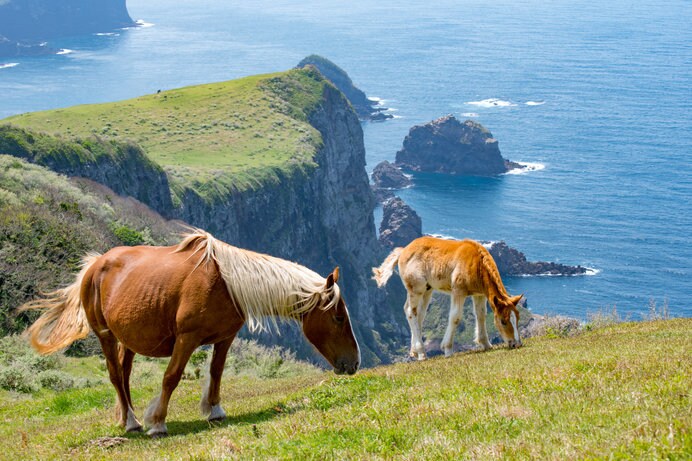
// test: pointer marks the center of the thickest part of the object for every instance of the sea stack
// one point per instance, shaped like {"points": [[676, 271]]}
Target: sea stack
{"points": [[448, 146]]}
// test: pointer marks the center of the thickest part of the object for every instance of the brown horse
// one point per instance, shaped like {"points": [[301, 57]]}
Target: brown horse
{"points": [[460, 268], [167, 301]]}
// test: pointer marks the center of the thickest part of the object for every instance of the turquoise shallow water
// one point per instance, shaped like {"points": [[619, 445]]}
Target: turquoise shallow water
{"points": [[609, 115]]}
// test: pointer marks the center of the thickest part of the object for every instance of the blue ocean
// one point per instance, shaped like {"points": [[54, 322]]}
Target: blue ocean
{"points": [[596, 96]]}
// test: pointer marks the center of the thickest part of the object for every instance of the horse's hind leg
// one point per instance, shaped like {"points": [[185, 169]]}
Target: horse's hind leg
{"points": [[411, 309], [456, 308], [210, 403], [126, 357], [479, 311], [126, 415], [155, 416], [423, 309]]}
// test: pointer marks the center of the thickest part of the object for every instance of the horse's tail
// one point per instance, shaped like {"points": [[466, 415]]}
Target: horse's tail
{"points": [[64, 320], [381, 274]]}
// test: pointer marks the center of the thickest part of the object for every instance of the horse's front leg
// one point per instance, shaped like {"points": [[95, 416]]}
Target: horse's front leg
{"points": [[456, 308], [479, 311], [155, 416], [210, 403]]}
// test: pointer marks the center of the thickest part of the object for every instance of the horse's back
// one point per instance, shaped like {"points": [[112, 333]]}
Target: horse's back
{"points": [[146, 295], [443, 264]]}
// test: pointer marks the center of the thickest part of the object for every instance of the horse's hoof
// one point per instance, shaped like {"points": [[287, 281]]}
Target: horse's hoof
{"points": [[157, 435], [135, 429], [217, 419], [421, 357]]}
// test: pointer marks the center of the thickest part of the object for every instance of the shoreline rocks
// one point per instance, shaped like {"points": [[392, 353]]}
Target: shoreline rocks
{"points": [[513, 262], [449, 146]]}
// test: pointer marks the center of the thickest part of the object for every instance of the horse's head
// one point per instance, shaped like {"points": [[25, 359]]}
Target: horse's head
{"points": [[507, 319], [329, 330]]}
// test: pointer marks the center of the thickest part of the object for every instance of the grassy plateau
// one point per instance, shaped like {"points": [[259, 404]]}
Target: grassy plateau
{"points": [[620, 391], [230, 134]]}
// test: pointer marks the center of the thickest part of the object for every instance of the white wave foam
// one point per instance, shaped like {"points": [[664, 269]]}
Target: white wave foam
{"points": [[589, 271], [8, 65], [534, 103], [442, 236], [65, 51], [491, 102], [140, 23], [107, 34], [469, 114], [376, 99], [592, 271], [528, 168]]}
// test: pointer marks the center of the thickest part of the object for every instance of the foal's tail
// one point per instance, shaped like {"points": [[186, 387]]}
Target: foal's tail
{"points": [[381, 274], [64, 320]]}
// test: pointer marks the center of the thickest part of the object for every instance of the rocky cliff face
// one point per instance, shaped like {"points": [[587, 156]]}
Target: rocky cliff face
{"points": [[448, 146], [320, 218]]}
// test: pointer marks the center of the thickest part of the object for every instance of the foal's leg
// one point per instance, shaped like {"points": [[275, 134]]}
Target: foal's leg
{"points": [[411, 310], [423, 309], [126, 357], [456, 308], [155, 416], [479, 311], [109, 344], [212, 394]]}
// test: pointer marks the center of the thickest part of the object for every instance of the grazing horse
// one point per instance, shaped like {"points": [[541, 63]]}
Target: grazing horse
{"points": [[167, 301], [459, 268]]}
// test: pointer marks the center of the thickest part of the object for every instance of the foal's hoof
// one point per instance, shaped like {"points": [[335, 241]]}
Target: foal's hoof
{"points": [[157, 435], [217, 419], [134, 429]]}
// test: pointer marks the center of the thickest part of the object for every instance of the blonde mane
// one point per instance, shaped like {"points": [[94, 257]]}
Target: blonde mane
{"points": [[263, 287]]}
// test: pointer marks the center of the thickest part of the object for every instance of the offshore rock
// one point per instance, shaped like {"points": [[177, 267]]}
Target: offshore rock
{"points": [[400, 224], [385, 175], [513, 262], [364, 107], [448, 146]]}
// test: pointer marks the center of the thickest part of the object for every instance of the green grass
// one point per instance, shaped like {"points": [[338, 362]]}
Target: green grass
{"points": [[617, 392], [213, 137]]}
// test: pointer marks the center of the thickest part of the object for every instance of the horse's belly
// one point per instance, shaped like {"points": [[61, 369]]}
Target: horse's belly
{"points": [[147, 330]]}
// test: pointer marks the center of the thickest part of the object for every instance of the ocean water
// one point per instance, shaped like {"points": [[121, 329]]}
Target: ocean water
{"points": [[596, 93]]}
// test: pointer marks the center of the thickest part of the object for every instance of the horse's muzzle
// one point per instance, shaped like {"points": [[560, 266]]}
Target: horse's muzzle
{"points": [[346, 368], [514, 344]]}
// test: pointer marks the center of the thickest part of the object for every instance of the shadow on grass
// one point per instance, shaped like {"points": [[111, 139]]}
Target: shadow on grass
{"points": [[183, 428]]}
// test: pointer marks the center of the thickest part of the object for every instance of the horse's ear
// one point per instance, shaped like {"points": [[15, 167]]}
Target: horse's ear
{"points": [[333, 278], [516, 299]]}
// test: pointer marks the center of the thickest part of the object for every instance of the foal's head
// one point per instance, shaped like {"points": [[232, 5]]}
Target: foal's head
{"points": [[507, 319], [330, 330]]}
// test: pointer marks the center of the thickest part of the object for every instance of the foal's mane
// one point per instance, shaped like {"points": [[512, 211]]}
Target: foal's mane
{"points": [[491, 274], [263, 287]]}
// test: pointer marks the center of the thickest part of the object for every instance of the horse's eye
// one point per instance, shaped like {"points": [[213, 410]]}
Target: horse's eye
{"points": [[503, 322], [339, 318]]}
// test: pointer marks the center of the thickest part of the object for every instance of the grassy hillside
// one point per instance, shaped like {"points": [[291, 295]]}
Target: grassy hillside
{"points": [[48, 222], [235, 133], [620, 392]]}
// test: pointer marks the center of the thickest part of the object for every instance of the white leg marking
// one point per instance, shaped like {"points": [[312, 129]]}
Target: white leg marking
{"points": [[479, 312], [204, 405], [132, 424], [149, 414], [158, 429], [217, 413]]}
